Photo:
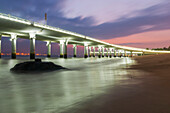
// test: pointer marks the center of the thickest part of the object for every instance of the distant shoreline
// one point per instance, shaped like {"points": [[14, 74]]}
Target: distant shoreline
{"points": [[154, 64]]}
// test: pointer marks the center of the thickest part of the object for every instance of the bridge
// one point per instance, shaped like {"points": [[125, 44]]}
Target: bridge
{"points": [[15, 27]]}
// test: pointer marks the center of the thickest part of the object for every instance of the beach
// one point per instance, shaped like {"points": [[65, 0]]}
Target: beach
{"points": [[150, 95]]}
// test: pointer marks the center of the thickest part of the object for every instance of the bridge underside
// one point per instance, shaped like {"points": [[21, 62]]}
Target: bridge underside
{"points": [[22, 30]]}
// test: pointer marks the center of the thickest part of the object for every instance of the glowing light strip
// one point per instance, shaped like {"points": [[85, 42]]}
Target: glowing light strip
{"points": [[126, 48], [11, 18], [112, 45], [77, 42], [58, 30], [121, 52]]}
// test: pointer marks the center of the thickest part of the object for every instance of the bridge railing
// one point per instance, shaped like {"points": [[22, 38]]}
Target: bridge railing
{"points": [[57, 29], [8, 16]]}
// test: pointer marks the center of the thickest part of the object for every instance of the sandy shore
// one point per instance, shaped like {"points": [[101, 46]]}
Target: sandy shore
{"points": [[155, 64], [150, 95]]}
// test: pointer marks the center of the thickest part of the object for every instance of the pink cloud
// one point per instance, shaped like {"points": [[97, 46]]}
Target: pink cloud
{"points": [[151, 39]]}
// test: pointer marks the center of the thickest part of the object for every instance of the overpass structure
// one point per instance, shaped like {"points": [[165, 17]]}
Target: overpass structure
{"points": [[20, 28]]}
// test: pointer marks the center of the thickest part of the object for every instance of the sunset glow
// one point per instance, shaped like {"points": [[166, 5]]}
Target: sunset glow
{"points": [[24, 54], [152, 39]]}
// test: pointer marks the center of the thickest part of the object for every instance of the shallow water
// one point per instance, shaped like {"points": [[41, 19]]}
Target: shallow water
{"points": [[59, 90]]}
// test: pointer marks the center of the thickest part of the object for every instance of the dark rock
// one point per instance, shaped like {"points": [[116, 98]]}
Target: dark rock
{"points": [[37, 60], [37, 66]]}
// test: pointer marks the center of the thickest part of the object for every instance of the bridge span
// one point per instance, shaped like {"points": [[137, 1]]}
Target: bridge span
{"points": [[15, 27]]}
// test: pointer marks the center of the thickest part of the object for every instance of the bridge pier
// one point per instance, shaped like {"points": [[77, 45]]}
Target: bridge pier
{"points": [[125, 55], [13, 43], [107, 52], [48, 49], [119, 53], [85, 50], [110, 49], [0, 45], [115, 54], [122, 53], [102, 51], [99, 51], [90, 52], [94, 50], [32, 45], [131, 54], [65, 48], [74, 50], [61, 48]]}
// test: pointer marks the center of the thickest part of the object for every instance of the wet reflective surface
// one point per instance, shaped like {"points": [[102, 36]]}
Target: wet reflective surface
{"points": [[59, 90]]}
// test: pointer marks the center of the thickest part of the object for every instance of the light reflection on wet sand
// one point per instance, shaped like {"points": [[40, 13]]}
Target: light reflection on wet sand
{"points": [[59, 90]]}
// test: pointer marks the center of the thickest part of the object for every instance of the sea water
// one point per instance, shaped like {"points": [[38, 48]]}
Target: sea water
{"points": [[59, 90]]}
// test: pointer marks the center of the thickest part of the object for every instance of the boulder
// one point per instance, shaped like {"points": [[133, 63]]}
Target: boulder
{"points": [[35, 66]]}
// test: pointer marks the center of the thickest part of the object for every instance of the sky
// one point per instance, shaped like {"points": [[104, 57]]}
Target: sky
{"points": [[136, 23]]}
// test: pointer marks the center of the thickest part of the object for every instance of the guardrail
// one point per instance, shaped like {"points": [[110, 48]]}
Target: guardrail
{"points": [[17, 19]]}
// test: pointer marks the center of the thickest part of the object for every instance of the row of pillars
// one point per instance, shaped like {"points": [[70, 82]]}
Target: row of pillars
{"points": [[101, 52], [63, 49], [13, 44]]}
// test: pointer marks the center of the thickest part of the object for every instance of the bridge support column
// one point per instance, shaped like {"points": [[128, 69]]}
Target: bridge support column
{"points": [[13, 43], [99, 51], [102, 51], [107, 52], [0, 45], [115, 54], [131, 54], [119, 53], [125, 55], [90, 52], [94, 50], [61, 48], [65, 48], [110, 49], [74, 50], [85, 50], [32, 45], [48, 49]]}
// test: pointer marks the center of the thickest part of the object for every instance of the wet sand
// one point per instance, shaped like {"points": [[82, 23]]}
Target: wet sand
{"points": [[148, 92]]}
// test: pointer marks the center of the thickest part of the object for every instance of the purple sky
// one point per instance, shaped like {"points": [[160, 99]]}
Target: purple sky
{"points": [[104, 11], [102, 19]]}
